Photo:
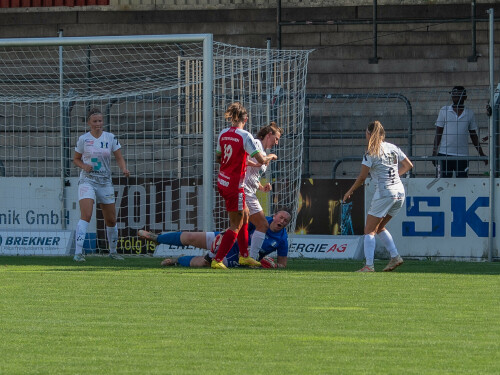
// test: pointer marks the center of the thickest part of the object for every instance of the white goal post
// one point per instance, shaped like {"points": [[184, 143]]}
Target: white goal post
{"points": [[164, 97]]}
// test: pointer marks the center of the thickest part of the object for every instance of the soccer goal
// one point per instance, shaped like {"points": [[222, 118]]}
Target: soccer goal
{"points": [[164, 97]]}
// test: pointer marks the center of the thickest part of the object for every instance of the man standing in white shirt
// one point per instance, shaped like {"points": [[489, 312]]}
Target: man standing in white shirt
{"points": [[453, 124]]}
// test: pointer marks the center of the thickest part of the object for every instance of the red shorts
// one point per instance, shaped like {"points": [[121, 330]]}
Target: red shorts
{"points": [[235, 199]]}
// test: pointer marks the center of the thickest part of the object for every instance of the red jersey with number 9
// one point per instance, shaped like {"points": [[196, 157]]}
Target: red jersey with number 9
{"points": [[233, 146]]}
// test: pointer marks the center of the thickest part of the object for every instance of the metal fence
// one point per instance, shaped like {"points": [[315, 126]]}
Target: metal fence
{"points": [[335, 129]]}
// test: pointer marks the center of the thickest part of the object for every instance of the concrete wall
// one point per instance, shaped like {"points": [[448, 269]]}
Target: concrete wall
{"points": [[425, 57], [255, 4], [412, 54]]}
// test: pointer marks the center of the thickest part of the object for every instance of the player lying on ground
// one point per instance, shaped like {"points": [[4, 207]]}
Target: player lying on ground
{"points": [[276, 240]]}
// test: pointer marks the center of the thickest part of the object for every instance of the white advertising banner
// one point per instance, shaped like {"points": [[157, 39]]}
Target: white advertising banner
{"points": [[177, 251], [36, 242], [325, 247], [31, 203], [300, 246], [444, 218], [441, 218], [31, 217]]}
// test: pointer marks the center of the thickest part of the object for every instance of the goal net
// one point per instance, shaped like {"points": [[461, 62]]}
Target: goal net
{"points": [[164, 99]]}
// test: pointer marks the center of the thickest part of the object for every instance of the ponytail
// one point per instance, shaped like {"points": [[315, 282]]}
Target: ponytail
{"points": [[377, 136], [236, 113]]}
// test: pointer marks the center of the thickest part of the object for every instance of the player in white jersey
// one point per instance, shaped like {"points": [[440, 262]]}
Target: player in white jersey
{"points": [[385, 162], [267, 137], [93, 155]]}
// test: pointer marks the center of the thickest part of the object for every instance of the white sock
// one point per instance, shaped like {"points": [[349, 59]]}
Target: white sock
{"points": [[386, 240], [369, 249], [112, 233], [81, 231], [257, 241]]}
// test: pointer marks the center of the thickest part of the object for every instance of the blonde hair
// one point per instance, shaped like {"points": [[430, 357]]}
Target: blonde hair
{"points": [[377, 136], [236, 113]]}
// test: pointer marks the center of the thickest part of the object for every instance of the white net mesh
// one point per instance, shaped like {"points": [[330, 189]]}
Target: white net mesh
{"points": [[151, 96]]}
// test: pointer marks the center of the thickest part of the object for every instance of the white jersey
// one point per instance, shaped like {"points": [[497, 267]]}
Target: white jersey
{"points": [[455, 139], [254, 174], [97, 153], [384, 171]]}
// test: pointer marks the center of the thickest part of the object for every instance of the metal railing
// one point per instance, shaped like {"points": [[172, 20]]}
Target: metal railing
{"points": [[334, 136], [413, 159]]}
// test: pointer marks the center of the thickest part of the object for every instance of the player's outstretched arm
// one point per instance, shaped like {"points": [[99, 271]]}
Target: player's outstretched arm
{"points": [[281, 261], [359, 181], [266, 188], [405, 166], [186, 261], [264, 159], [250, 163]]}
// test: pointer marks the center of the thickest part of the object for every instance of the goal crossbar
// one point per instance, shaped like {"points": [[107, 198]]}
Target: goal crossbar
{"points": [[121, 39]]}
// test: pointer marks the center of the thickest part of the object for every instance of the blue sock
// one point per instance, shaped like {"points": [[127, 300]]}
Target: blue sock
{"points": [[185, 261], [170, 238]]}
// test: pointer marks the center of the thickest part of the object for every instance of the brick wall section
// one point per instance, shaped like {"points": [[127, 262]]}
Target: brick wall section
{"points": [[50, 3], [213, 4], [412, 55], [252, 4]]}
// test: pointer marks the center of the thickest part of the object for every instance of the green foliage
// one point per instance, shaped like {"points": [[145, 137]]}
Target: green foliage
{"points": [[316, 317]]}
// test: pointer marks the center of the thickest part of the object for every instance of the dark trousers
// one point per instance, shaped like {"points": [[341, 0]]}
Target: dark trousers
{"points": [[446, 167]]}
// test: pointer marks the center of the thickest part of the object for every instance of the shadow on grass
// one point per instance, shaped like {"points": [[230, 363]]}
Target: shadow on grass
{"points": [[103, 263], [93, 262], [409, 266]]}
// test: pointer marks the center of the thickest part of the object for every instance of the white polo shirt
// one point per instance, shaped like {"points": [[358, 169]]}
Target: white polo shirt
{"points": [[455, 139]]}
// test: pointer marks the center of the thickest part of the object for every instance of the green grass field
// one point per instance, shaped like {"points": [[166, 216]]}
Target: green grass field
{"points": [[316, 317]]}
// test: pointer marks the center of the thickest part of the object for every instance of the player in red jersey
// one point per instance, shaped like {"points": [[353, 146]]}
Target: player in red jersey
{"points": [[233, 147]]}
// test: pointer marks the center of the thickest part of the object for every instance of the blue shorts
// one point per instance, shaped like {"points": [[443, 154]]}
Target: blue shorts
{"points": [[233, 257], [185, 261]]}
